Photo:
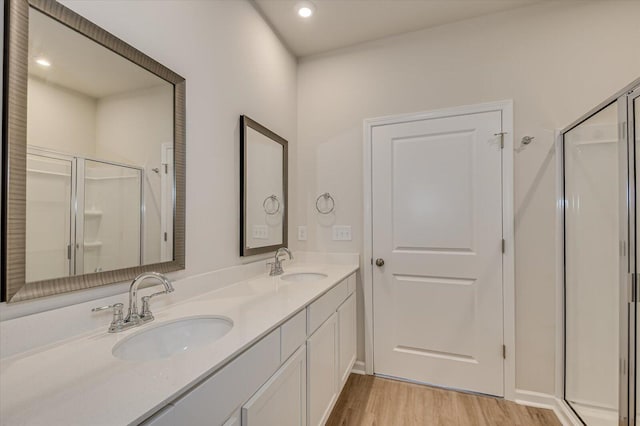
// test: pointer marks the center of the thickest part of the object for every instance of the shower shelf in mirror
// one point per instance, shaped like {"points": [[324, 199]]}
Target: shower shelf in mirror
{"points": [[93, 213], [93, 244]]}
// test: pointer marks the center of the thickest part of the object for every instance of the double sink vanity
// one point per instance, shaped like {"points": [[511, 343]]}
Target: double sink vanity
{"points": [[269, 350]]}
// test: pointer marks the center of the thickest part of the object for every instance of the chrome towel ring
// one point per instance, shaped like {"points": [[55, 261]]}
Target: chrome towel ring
{"points": [[275, 205], [329, 201]]}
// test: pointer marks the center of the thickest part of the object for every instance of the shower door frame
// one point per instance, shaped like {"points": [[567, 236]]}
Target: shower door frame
{"points": [[632, 276], [628, 281]]}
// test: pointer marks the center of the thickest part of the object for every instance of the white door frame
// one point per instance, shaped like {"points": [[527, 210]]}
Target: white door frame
{"points": [[508, 265]]}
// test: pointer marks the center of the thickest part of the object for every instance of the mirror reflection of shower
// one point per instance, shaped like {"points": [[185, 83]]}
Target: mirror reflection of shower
{"points": [[84, 215]]}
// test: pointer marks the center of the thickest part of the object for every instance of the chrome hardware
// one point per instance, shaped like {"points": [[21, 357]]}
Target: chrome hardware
{"points": [[328, 199], [134, 318], [275, 205], [146, 314], [117, 323], [501, 134], [276, 265], [379, 262], [526, 140]]}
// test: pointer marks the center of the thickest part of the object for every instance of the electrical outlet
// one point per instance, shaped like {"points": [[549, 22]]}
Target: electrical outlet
{"points": [[302, 233], [260, 232], [341, 233]]}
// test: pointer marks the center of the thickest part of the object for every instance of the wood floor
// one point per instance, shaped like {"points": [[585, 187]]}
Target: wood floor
{"points": [[373, 401]]}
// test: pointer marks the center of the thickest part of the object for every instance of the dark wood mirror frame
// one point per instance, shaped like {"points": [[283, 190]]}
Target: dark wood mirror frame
{"points": [[246, 122], [14, 126]]}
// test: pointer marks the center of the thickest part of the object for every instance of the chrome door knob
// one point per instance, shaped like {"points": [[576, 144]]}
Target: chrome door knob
{"points": [[379, 262]]}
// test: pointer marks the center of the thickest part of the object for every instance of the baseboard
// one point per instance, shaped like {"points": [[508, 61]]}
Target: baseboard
{"points": [[358, 368], [550, 402]]}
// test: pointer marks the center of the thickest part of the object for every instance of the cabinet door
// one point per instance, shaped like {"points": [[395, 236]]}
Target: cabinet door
{"points": [[282, 400], [347, 337], [322, 386]]}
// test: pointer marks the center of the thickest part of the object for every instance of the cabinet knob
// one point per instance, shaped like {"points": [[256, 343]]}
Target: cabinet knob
{"points": [[379, 262]]}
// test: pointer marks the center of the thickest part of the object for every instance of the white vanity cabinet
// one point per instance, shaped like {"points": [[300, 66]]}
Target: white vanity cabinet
{"points": [[347, 338], [331, 349], [282, 401], [214, 401], [291, 377]]}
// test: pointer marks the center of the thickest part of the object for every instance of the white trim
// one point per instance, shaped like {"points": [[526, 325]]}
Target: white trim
{"points": [[358, 368], [506, 108], [543, 400]]}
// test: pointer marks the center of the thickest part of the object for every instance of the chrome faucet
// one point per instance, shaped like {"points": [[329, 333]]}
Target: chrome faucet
{"points": [[276, 265], [135, 318]]}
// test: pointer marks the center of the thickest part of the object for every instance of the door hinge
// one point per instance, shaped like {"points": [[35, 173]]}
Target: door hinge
{"points": [[504, 352], [69, 251], [501, 134], [633, 287], [372, 260], [165, 236], [166, 168], [504, 244]]}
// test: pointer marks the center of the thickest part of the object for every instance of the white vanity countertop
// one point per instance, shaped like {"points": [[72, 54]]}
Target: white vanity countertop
{"points": [[79, 381]]}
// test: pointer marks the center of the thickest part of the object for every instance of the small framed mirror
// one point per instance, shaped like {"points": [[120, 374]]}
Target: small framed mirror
{"points": [[94, 176], [263, 195]]}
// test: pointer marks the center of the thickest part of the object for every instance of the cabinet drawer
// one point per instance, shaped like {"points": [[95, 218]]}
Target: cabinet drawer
{"points": [[321, 309], [214, 400], [293, 334]]}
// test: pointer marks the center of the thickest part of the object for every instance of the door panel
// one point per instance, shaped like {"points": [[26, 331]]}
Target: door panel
{"points": [[437, 223], [422, 208]]}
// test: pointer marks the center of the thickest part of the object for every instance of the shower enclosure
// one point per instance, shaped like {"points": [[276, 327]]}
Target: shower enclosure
{"points": [[600, 216], [84, 215]]}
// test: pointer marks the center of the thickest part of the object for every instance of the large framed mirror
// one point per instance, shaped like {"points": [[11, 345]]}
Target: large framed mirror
{"points": [[263, 198], [94, 151]]}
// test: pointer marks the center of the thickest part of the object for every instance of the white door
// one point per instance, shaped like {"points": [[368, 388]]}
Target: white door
{"points": [[437, 225]]}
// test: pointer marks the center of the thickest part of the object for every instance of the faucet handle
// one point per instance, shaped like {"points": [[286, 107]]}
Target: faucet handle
{"points": [[146, 314], [117, 322], [117, 307]]}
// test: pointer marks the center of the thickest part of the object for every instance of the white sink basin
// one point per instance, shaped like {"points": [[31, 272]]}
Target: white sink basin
{"points": [[171, 338], [304, 277]]}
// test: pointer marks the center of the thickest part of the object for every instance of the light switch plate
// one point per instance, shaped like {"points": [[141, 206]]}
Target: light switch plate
{"points": [[302, 233], [341, 233]]}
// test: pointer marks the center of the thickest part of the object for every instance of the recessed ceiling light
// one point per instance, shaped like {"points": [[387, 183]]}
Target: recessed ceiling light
{"points": [[305, 9], [43, 62]]}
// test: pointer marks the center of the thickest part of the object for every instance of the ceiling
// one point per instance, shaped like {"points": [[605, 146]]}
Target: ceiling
{"points": [[342, 23], [80, 64]]}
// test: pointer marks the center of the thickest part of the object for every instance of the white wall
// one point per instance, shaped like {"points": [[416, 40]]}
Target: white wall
{"points": [[556, 60], [233, 64], [60, 119]]}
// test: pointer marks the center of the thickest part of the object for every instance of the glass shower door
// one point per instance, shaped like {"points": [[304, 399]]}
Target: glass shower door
{"points": [[592, 262], [112, 216], [49, 216]]}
